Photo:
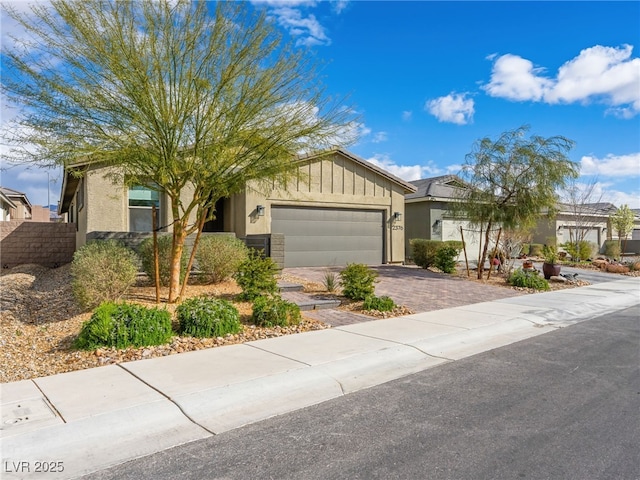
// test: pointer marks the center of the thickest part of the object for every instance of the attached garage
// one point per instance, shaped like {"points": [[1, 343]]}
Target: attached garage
{"points": [[330, 236]]}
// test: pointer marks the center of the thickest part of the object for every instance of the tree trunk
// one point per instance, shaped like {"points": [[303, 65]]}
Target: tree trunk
{"points": [[201, 223], [485, 248], [176, 255]]}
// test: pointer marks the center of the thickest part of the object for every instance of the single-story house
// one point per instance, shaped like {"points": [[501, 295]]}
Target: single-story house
{"points": [[6, 205], [346, 210], [589, 221], [428, 216], [21, 209]]}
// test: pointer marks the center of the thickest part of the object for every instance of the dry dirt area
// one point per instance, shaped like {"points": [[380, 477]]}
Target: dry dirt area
{"points": [[39, 321]]}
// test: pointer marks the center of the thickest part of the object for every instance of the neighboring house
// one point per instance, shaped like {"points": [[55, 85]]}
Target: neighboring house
{"points": [[7, 206], [589, 221], [346, 210], [22, 206], [428, 217]]}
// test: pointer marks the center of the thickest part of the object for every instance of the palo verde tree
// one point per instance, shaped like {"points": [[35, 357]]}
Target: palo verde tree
{"points": [[512, 181], [622, 223], [179, 95]]}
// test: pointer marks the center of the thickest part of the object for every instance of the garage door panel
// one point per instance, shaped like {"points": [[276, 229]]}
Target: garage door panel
{"points": [[323, 236]]}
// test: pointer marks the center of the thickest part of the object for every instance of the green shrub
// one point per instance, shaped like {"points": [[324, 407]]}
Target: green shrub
{"points": [[580, 251], [535, 249], [220, 256], [611, 249], [102, 271], [423, 252], [446, 258], [207, 317], [256, 276], [164, 259], [382, 304], [273, 311], [357, 281], [525, 249], [122, 325], [528, 279], [456, 244]]}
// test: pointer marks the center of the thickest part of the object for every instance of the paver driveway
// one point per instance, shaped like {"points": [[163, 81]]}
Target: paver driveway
{"points": [[414, 287]]}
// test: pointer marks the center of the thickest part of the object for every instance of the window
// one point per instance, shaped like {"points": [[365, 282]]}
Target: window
{"points": [[141, 201]]}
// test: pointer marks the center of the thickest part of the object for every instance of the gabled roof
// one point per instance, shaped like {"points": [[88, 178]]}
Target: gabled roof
{"points": [[15, 195], [444, 187], [407, 186], [6, 199], [596, 209]]}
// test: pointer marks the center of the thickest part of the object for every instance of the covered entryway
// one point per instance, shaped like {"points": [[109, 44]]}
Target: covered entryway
{"points": [[317, 237]]}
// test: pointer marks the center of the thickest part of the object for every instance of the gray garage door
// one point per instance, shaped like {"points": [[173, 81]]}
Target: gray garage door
{"points": [[318, 237]]}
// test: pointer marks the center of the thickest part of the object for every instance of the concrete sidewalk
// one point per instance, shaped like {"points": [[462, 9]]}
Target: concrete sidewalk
{"points": [[75, 423]]}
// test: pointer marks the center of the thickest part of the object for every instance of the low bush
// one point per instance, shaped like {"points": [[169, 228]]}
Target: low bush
{"points": [[535, 249], [102, 271], [446, 258], [357, 281], [123, 325], [273, 311], [423, 252], [164, 259], [256, 276], [381, 304], [525, 249], [527, 279], [207, 317], [580, 251], [219, 257], [611, 249]]}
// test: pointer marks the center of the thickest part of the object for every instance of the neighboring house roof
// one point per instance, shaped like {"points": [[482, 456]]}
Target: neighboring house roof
{"points": [[16, 196], [6, 199], [444, 187]]}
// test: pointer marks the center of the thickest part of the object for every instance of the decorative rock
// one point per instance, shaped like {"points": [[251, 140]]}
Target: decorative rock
{"points": [[558, 279]]}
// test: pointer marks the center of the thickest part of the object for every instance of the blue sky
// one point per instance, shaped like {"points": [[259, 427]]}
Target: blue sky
{"points": [[427, 79]]}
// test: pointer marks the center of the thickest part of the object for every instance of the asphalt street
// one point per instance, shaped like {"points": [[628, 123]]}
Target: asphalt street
{"points": [[563, 405]]}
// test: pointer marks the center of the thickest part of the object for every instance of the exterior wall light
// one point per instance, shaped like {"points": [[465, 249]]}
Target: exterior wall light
{"points": [[397, 216], [260, 210]]}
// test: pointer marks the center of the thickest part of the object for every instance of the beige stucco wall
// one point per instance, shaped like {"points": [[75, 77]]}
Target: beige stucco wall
{"points": [[333, 182]]}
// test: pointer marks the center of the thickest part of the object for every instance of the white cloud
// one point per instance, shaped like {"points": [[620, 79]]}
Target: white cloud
{"points": [[454, 108], [290, 16], [407, 115], [611, 165], [624, 198], [380, 137], [406, 172], [600, 74]]}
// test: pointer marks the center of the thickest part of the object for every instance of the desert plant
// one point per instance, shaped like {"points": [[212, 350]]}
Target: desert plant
{"points": [[122, 325], [102, 271], [550, 254], [527, 279], [580, 251], [219, 257], [381, 304], [446, 258], [207, 317], [535, 249], [164, 259], [611, 249], [330, 281], [423, 252], [256, 276], [273, 311], [357, 281]]}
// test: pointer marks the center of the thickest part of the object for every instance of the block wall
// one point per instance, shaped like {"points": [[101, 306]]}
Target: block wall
{"points": [[42, 243]]}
